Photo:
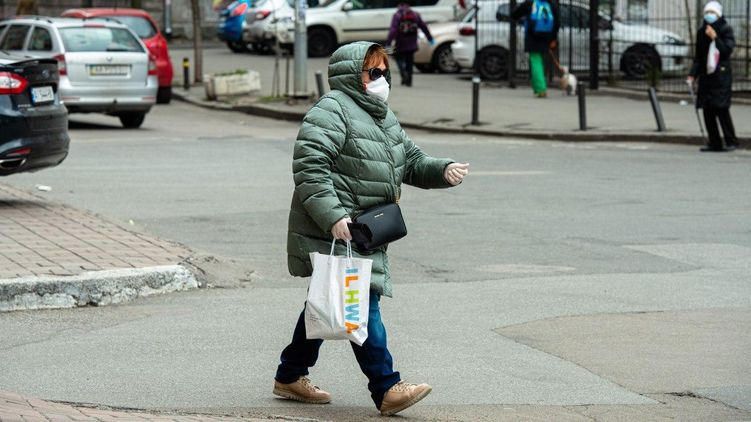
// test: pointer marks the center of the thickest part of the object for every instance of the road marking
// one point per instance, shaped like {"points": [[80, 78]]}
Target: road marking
{"points": [[526, 269]]}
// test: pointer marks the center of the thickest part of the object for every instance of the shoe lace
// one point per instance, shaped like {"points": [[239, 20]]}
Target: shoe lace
{"points": [[402, 386], [305, 382]]}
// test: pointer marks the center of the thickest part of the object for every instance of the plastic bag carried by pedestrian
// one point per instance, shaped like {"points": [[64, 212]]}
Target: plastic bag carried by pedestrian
{"points": [[338, 297], [713, 58]]}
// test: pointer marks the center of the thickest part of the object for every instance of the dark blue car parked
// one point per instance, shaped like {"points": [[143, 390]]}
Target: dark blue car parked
{"points": [[33, 121], [232, 25]]}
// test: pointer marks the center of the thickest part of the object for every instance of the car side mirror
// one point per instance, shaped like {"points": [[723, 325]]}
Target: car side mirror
{"points": [[346, 7]]}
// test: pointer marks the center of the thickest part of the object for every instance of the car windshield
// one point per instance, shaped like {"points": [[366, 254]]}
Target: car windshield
{"points": [[95, 38], [138, 24]]}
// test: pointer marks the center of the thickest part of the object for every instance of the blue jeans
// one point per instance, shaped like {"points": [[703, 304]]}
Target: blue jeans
{"points": [[373, 356]]}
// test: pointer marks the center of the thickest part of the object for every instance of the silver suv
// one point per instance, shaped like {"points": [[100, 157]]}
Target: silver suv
{"points": [[104, 67]]}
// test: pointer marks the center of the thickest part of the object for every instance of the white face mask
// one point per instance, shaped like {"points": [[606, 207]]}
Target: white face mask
{"points": [[378, 88]]}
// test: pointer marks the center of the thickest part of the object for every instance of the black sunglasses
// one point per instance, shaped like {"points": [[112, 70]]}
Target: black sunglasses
{"points": [[377, 72]]}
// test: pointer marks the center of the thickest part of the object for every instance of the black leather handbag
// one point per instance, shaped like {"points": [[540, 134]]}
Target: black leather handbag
{"points": [[377, 226]]}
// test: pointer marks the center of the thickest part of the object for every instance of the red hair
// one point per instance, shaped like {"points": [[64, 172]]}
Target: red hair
{"points": [[374, 57]]}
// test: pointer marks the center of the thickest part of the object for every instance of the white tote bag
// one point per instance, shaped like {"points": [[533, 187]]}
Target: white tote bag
{"points": [[713, 58], [338, 297]]}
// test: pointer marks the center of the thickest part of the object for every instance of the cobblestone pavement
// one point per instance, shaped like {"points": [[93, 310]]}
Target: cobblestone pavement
{"points": [[40, 237], [16, 408]]}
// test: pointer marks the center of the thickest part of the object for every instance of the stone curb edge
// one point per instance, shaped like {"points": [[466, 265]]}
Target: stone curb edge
{"points": [[97, 288], [571, 136]]}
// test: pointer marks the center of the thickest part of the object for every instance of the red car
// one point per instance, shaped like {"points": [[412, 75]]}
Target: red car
{"points": [[140, 22]]}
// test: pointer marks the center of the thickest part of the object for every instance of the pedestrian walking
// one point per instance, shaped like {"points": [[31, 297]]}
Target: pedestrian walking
{"points": [[351, 154], [404, 26], [541, 24], [714, 46]]}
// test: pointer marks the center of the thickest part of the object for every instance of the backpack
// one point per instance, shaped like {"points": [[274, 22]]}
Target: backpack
{"points": [[541, 20], [408, 23]]}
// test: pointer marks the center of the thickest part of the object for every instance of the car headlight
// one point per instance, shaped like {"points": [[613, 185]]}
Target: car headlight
{"points": [[671, 40]]}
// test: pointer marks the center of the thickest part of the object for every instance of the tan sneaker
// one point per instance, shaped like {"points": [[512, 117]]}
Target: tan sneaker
{"points": [[302, 390], [403, 395]]}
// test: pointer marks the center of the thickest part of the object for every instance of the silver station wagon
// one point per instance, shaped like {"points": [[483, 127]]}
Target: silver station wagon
{"points": [[104, 67]]}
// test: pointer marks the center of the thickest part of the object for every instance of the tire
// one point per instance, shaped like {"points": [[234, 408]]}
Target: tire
{"points": [[638, 59], [493, 63], [132, 120], [237, 46], [164, 95], [425, 68], [443, 59], [321, 41]]}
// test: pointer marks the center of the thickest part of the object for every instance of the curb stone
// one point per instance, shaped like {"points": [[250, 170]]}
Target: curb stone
{"points": [[97, 288]]}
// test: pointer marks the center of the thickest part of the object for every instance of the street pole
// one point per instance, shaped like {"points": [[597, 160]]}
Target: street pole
{"points": [[594, 44], [513, 40], [476, 80], [301, 51], [168, 19], [748, 38], [197, 42]]}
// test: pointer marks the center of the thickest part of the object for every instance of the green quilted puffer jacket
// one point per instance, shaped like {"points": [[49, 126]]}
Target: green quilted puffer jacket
{"points": [[351, 154]]}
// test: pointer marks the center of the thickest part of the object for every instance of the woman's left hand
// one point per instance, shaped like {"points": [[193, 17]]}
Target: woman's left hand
{"points": [[455, 173]]}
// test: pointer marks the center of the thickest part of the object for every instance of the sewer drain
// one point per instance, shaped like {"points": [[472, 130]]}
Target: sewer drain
{"points": [[526, 269]]}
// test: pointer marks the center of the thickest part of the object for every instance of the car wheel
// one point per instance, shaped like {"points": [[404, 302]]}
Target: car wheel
{"points": [[443, 59], [132, 120], [164, 95], [638, 60], [493, 63], [424, 67], [321, 42], [237, 46]]}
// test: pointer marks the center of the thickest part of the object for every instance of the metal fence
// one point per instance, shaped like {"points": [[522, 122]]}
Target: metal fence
{"points": [[639, 43]]}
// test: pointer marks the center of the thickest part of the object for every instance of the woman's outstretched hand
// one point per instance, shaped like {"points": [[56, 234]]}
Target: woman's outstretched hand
{"points": [[340, 229], [455, 173]]}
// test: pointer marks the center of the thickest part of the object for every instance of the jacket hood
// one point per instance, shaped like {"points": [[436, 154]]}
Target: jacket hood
{"points": [[345, 74]]}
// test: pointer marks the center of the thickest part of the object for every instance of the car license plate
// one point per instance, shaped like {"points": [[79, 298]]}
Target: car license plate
{"points": [[108, 70], [42, 94]]}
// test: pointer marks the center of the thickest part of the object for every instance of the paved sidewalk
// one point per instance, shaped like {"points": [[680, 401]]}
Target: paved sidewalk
{"points": [[55, 256], [16, 408], [444, 103], [42, 238]]}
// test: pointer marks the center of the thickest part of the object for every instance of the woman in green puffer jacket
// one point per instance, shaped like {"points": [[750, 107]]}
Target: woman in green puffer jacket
{"points": [[351, 154]]}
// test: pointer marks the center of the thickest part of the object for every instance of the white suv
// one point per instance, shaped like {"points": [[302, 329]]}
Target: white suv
{"points": [[636, 48], [334, 22], [104, 67]]}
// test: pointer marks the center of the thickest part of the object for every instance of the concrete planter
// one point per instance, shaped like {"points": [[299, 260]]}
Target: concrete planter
{"points": [[230, 85]]}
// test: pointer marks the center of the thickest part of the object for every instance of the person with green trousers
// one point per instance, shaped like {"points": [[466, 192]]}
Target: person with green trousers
{"points": [[351, 154], [541, 21]]}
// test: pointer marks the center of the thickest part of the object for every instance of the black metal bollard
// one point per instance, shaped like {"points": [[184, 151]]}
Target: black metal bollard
{"points": [[476, 100], [581, 92], [319, 83], [656, 109], [186, 73]]}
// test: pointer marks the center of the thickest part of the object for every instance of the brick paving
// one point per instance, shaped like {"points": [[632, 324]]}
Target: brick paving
{"points": [[16, 408], [40, 237]]}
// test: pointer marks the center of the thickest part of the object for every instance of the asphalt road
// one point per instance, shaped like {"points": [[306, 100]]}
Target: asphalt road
{"points": [[488, 284]]}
